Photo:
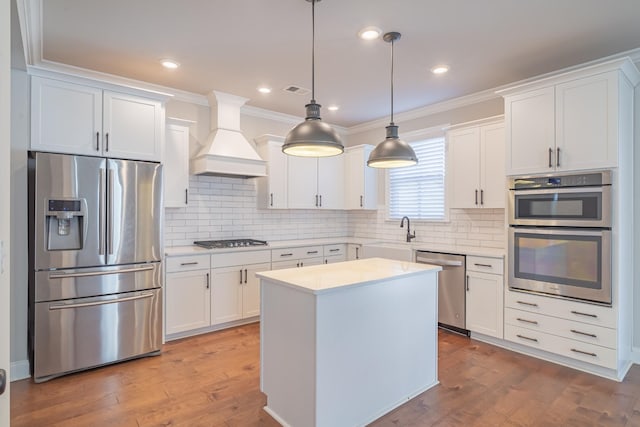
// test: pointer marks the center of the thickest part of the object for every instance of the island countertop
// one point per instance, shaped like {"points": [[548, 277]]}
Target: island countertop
{"points": [[330, 277]]}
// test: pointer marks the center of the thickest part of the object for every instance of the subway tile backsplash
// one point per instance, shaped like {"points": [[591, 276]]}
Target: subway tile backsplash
{"points": [[225, 208]]}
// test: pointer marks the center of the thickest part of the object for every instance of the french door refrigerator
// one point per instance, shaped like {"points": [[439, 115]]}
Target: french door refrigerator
{"points": [[95, 262]]}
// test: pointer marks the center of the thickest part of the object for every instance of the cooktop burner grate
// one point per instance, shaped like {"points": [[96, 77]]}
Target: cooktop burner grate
{"points": [[231, 243]]}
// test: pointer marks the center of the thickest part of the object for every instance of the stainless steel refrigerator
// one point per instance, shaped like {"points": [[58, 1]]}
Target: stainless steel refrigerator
{"points": [[95, 270]]}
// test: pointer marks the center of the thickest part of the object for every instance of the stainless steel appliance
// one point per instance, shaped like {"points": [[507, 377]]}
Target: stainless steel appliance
{"points": [[95, 256], [451, 288], [230, 243], [560, 235]]}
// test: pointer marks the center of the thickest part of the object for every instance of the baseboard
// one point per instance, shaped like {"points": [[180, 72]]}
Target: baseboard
{"points": [[19, 370], [635, 355]]}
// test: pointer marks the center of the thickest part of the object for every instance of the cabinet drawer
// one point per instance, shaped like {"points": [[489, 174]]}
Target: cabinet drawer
{"points": [[188, 262], [578, 331], [333, 250], [562, 346], [296, 253], [563, 308], [485, 264], [240, 258]]}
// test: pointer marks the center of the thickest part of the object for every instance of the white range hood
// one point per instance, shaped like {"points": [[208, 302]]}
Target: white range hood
{"points": [[227, 151]]}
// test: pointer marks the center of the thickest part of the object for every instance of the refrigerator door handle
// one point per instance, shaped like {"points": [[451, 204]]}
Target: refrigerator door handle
{"points": [[110, 215], [94, 303], [98, 273], [101, 211]]}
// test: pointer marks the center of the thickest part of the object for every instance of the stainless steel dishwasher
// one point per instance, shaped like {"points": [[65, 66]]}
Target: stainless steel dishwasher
{"points": [[451, 288]]}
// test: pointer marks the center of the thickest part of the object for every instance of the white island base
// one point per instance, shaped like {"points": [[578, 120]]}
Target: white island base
{"points": [[343, 344]]}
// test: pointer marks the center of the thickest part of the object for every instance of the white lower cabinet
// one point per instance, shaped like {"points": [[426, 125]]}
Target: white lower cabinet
{"points": [[335, 253], [187, 289], [353, 251], [302, 256], [485, 293]]}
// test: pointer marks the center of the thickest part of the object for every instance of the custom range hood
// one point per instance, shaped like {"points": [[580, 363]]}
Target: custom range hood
{"points": [[227, 152]]}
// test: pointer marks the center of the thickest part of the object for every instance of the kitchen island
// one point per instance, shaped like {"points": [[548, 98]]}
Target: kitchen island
{"points": [[342, 344]]}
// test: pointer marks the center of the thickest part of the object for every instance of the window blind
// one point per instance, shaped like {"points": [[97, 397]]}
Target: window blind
{"points": [[419, 191]]}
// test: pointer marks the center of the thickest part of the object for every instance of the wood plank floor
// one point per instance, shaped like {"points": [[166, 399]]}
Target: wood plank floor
{"points": [[213, 380]]}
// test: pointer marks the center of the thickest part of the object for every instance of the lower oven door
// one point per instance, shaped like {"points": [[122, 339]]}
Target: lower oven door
{"points": [[568, 262], [82, 333]]}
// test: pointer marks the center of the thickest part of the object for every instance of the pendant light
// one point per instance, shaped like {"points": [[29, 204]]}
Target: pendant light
{"points": [[392, 152], [313, 137]]}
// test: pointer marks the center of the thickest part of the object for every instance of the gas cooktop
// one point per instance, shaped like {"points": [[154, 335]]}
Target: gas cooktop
{"points": [[231, 243]]}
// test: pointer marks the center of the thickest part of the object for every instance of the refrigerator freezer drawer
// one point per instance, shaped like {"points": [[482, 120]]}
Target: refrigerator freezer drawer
{"points": [[90, 282], [84, 333]]}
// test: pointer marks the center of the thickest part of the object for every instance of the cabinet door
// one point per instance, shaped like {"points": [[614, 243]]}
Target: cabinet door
{"points": [[280, 265], [493, 177], [485, 303], [65, 117], [251, 290], [586, 123], [360, 181], [311, 261], [277, 170], [187, 301], [132, 127], [176, 166], [331, 182], [226, 294], [335, 258], [353, 252], [464, 151], [530, 131], [302, 180]]}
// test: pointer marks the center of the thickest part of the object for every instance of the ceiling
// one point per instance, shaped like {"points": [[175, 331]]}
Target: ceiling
{"points": [[237, 46]]}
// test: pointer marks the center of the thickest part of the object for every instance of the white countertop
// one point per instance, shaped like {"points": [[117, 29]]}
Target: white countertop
{"points": [[326, 277]]}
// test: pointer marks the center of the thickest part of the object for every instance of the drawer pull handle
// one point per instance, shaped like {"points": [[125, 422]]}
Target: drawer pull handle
{"points": [[584, 333], [533, 322], [286, 254], [584, 352], [334, 250], [584, 314], [208, 281], [311, 252], [531, 304], [527, 338], [482, 265], [189, 263]]}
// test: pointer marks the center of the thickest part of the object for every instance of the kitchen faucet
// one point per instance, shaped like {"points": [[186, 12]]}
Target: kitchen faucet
{"points": [[409, 235]]}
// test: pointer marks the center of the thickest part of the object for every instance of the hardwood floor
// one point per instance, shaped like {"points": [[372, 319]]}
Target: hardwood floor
{"points": [[214, 380]]}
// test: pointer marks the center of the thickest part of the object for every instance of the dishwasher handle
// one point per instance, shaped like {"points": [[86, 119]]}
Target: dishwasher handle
{"points": [[440, 262]]}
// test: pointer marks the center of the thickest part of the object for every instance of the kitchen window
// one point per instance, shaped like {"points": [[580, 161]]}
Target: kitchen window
{"points": [[419, 191]]}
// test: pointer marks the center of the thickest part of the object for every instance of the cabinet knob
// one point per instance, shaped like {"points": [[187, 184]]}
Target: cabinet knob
{"points": [[361, 202], [186, 196], [558, 157], [106, 141], [271, 200], [208, 281], [550, 154], [97, 141], [476, 197]]}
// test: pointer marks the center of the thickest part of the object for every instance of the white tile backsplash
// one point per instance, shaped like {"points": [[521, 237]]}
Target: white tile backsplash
{"points": [[226, 208]]}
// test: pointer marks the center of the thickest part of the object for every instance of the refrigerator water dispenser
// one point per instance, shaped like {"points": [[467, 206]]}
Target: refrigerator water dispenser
{"points": [[65, 224]]}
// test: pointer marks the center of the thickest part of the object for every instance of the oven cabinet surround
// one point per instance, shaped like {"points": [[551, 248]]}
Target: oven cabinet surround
{"points": [[361, 181], [78, 118], [176, 163], [485, 296], [476, 157], [330, 351], [572, 121]]}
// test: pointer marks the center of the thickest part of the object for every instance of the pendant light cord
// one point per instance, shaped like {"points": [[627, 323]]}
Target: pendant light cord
{"points": [[313, 51], [392, 43]]}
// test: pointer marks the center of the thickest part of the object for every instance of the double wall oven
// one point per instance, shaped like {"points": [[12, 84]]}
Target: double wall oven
{"points": [[560, 235]]}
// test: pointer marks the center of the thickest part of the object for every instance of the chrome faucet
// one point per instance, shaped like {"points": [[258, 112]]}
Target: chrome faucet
{"points": [[409, 235]]}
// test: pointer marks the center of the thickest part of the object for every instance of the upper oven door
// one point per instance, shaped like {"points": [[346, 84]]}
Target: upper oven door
{"points": [[568, 207]]}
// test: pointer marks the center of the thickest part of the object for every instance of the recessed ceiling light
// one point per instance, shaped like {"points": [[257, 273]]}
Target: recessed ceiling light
{"points": [[440, 69], [369, 33], [264, 89], [333, 107], [170, 64]]}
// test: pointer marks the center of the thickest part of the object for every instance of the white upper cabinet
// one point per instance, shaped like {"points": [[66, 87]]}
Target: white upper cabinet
{"points": [[272, 189], [361, 182], [570, 122], [477, 165], [73, 118], [315, 182], [331, 182], [176, 163]]}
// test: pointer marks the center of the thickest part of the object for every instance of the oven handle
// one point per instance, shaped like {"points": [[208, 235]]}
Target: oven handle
{"points": [[564, 231], [574, 190], [91, 304]]}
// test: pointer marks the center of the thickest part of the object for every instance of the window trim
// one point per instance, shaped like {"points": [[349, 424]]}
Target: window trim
{"points": [[416, 136]]}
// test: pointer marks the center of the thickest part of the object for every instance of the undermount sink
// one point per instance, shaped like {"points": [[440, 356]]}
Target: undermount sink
{"points": [[396, 251]]}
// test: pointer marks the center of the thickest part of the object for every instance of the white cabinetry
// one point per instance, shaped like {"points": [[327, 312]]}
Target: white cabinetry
{"points": [[477, 164], [485, 293], [187, 288], [571, 122], [272, 189], [296, 257], [353, 251], [73, 118], [315, 182], [176, 163], [334, 253], [361, 181], [235, 292]]}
